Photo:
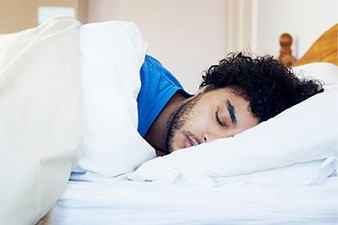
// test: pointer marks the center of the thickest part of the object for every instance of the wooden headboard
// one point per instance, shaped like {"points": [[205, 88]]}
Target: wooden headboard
{"points": [[324, 49]]}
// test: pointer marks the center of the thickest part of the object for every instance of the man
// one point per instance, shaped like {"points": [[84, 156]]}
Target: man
{"points": [[235, 95]]}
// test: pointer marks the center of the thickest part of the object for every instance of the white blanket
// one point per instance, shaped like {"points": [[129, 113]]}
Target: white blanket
{"points": [[111, 55], [40, 120]]}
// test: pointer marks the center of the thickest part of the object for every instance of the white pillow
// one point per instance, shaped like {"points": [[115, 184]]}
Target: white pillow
{"points": [[304, 133], [323, 71], [111, 55], [40, 125]]}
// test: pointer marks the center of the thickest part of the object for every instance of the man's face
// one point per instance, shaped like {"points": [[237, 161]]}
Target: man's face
{"points": [[207, 116]]}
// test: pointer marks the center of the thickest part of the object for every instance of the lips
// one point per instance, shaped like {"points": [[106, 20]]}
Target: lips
{"points": [[189, 142]]}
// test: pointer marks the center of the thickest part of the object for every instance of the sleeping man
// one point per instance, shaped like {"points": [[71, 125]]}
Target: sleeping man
{"points": [[237, 94]]}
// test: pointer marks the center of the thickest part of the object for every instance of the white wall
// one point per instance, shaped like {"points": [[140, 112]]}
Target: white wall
{"points": [[305, 20], [185, 35]]}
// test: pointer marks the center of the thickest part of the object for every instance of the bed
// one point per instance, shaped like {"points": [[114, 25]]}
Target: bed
{"points": [[324, 49], [63, 163]]}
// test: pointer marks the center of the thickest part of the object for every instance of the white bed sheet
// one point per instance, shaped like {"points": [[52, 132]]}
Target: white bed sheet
{"points": [[118, 201]]}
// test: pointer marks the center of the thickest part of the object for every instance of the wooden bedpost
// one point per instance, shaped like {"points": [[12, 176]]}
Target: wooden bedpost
{"points": [[324, 49], [285, 53]]}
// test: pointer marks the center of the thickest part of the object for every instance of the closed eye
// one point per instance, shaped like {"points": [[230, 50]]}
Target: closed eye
{"points": [[219, 121]]}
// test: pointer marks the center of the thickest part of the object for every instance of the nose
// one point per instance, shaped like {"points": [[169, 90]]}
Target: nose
{"points": [[208, 137]]}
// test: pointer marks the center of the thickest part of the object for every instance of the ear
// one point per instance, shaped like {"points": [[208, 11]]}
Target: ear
{"points": [[205, 88]]}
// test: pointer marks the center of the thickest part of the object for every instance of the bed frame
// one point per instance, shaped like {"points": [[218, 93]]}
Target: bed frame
{"points": [[324, 49]]}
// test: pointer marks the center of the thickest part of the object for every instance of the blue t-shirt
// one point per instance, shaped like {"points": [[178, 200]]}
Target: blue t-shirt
{"points": [[158, 85]]}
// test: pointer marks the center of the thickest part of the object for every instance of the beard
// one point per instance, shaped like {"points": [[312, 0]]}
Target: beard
{"points": [[178, 119]]}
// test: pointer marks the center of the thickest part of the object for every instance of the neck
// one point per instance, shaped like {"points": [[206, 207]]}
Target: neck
{"points": [[156, 136]]}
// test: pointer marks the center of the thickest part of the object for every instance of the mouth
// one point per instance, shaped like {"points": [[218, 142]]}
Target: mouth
{"points": [[190, 141]]}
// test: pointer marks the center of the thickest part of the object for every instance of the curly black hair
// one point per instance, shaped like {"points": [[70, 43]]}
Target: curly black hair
{"points": [[266, 83]]}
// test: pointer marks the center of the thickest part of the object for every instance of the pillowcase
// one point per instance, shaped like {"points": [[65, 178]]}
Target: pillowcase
{"points": [[323, 71], [111, 55], [40, 126], [302, 134]]}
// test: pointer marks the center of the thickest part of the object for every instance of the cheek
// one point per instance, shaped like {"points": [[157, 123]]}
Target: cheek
{"points": [[199, 117], [198, 122]]}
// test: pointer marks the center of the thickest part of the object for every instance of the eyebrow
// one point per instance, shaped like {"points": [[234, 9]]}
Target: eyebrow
{"points": [[232, 112]]}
